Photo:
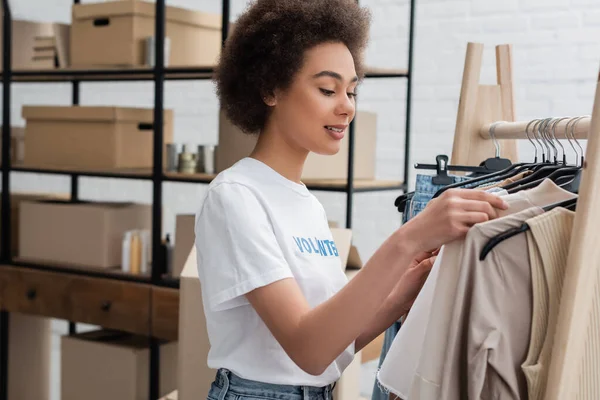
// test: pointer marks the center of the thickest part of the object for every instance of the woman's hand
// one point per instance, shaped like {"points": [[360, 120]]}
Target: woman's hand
{"points": [[408, 287], [450, 216]]}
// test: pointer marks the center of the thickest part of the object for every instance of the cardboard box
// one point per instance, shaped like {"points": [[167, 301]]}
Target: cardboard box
{"points": [[23, 36], [17, 144], [29, 357], [171, 396], [195, 377], [86, 234], [92, 137], [104, 364], [235, 145], [115, 33], [184, 241], [348, 252], [15, 203]]}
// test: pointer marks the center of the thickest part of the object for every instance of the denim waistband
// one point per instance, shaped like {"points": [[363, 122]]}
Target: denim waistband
{"points": [[245, 387], [425, 188]]}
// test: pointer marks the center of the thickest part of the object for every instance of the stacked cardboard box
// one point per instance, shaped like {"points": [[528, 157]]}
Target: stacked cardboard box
{"points": [[44, 52], [38, 45]]}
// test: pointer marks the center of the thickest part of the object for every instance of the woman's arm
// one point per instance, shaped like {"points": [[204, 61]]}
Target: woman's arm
{"points": [[399, 301], [314, 338]]}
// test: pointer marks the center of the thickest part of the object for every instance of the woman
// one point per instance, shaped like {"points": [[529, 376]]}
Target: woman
{"points": [[282, 319]]}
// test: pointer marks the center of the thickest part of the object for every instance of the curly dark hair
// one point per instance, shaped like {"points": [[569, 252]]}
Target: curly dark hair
{"points": [[267, 46]]}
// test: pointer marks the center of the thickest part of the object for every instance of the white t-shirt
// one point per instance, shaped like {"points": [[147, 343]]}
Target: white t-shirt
{"points": [[256, 227]]}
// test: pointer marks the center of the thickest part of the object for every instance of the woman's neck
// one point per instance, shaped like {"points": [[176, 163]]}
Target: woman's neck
{"points": [[273, 150]]}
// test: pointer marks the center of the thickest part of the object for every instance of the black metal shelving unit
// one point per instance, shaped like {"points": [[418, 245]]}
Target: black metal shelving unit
{"points": [[158, 74]]}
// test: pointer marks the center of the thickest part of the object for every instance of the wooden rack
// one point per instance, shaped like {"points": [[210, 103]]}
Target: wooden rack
{"points": [[482, 106]]}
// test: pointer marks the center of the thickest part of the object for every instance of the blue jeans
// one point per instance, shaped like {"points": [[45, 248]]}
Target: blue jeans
{"points": [[228, 386], [425, 189]]}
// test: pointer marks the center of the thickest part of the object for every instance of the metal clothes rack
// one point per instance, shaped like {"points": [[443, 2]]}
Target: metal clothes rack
{"points": [[158, 74]]}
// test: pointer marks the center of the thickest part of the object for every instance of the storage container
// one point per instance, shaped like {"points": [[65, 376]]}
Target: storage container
{"points": [[81, 137], [115, 33], [82, 234], [105, 364]]}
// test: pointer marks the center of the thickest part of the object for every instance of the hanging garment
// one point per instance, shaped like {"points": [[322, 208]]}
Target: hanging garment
{"points": [[506, 181], [425, 189], [418, 353], [548, 240], [490, 321]]}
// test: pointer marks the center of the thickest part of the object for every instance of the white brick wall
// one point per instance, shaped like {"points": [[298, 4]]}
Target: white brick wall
{"points": [[556, 53]]}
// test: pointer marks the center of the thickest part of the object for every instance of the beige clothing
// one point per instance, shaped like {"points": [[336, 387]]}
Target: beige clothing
{"points": [[551, 236], [588, 386], [421, 344], [507, 181], [490, 321], [548, 242]]}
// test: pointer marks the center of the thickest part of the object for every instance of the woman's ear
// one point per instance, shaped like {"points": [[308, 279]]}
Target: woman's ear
{"points": [[270, 99]]}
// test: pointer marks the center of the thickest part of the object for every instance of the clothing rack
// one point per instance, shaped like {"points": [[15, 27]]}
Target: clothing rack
{"points": [[516, 130], [484, 107]]}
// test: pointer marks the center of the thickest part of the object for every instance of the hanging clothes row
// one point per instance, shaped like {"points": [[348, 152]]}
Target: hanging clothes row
{"points": [[507, 307]]}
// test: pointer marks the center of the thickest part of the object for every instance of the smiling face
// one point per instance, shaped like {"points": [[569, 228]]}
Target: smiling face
{"points": [[314, 112]]}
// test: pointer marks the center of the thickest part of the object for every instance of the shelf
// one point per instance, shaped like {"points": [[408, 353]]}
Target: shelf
{"points": [[116, 304], [107, 273], [147, 74], [339, 185], [125, 173], [372, 72], [332, 185], [180, 177], [110, 74]]}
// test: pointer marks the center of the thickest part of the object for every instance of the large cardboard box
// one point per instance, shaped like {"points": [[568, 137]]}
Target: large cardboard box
{"points": [[235, 145], [15, 203], [171, 396], [29, 357], [104, 364], [86, 234], [195, 377], [115, 33], [81, 137], [184, 241]]}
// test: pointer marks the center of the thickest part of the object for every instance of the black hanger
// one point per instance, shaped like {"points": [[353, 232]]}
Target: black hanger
{"points": [[441, 178], [570, 204], [573, 185], [473, 181], [559, 173], [541, 173], [496, 164]]}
